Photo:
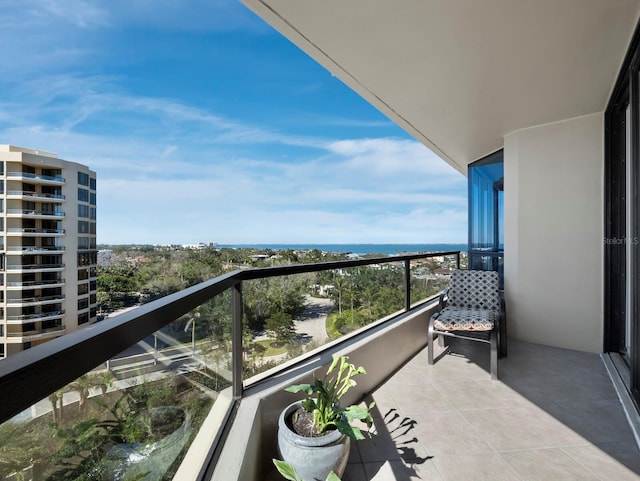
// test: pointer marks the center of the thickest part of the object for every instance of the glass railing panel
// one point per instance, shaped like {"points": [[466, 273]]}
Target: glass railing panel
{"points": [[133, 417], [281, 320], [287, 316], [430, 276], [363, 295]]}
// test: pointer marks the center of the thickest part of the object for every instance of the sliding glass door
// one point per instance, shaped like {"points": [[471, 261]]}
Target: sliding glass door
{"points": [[622, 220]]}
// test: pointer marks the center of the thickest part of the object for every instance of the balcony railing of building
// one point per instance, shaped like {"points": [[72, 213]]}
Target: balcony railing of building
{"points": [[34, 249], [37, 332], [36, 299], [13, 267], [33, 230], [36, 317], [31, 284], [28, 193], [33, 212], [28, 175], [198, 333]]}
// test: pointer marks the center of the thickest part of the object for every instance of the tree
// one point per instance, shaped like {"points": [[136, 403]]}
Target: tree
{"points": [[82, 386], [339, 284], [53, 399], [282, 326], [103, 380]]}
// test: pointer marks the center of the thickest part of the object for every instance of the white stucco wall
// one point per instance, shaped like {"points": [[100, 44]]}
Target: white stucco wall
{"points": [[553, 233]]}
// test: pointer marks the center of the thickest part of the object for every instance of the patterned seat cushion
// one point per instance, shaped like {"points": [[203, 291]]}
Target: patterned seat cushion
{"points": [[457, 319]]}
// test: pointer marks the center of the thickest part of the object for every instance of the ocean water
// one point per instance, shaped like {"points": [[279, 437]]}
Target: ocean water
{"points": [[361, 249]]}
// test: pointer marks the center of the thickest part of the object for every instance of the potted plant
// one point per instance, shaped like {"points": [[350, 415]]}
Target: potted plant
{"points": [[314, 434]]}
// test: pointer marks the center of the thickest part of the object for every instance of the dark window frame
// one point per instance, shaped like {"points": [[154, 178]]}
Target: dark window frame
{"points": [[626, 92]]}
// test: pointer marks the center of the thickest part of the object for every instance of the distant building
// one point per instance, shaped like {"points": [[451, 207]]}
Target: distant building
{"points": [[105, 257], [47, 247], [198, 246]]}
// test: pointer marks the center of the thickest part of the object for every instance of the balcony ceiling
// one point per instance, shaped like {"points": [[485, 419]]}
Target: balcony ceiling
{"points": [[458, 75]]}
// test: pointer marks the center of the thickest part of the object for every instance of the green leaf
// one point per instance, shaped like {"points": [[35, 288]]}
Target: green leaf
{"points": [[333, 477], [335, 361], [300, 387], [356, 412], [351, 431], [286, 470]]}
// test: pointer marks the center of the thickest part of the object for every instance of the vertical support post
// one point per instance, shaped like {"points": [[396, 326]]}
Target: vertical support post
{"points": [[193, 338], [458, 260], [155, 349], [236, 340], [407, 285]]}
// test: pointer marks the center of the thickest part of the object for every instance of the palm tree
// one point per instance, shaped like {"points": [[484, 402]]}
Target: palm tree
{"points": [[103, 380], [82, 386], [53, 399], [340, 284]]}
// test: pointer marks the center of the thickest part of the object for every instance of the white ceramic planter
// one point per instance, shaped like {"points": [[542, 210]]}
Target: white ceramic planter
{"points": [[313, 458]]}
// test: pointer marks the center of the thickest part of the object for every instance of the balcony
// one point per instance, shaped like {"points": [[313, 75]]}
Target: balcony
{"points": [[34, 214], [35, 268], [34, 232], [40, 316], [34, 301], [13, 337], [35, 196], [19, 285], [554, 413], [36, 178], [35, 250]]}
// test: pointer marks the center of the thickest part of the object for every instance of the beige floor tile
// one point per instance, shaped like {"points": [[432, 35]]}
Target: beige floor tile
{"points": [[504, 430], [470, 395], [611, 461], [422, 398], [477, 467], [547, 465], [552, 428], [354, 472], [597, 421], [402, 471], [449, 432]]}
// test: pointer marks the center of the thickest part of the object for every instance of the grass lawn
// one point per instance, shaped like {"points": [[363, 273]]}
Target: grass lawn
{"points": [[271, 351]]}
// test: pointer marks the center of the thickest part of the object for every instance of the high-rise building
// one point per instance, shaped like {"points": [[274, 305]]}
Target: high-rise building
{"points": [[48, 250]]}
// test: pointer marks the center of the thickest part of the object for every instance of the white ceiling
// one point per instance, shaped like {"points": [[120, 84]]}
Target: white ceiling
{"points": [[460, 74]]}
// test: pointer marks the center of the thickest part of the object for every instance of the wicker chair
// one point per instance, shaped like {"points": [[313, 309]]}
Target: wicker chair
{"points": [[472, 308]]}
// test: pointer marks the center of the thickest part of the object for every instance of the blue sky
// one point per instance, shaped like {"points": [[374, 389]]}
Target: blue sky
{"points": [[205, 125]]}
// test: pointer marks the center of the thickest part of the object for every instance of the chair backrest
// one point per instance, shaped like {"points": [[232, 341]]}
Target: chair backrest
{"points": [[474, 290]]}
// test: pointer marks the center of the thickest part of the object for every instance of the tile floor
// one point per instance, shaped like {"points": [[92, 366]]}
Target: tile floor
{"points": [[554, 415]]}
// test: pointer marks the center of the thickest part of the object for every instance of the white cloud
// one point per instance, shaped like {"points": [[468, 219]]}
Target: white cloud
{"points": [[175, 192], [174, 171]]}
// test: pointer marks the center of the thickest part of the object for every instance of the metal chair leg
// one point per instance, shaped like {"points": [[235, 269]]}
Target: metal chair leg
{"points": [[493, 337], [430, 340]]}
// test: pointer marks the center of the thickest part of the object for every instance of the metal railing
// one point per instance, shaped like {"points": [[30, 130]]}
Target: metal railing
{"points": [[33, 230], [37, 332], [33, 374], [24, 267], [35, 283], [34, 249], [28, 193], [35, 299], [47, 213], [36, 317], [29, 175]]}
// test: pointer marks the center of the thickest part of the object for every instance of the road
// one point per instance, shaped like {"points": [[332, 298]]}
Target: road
{"points": [[311, 324]]}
